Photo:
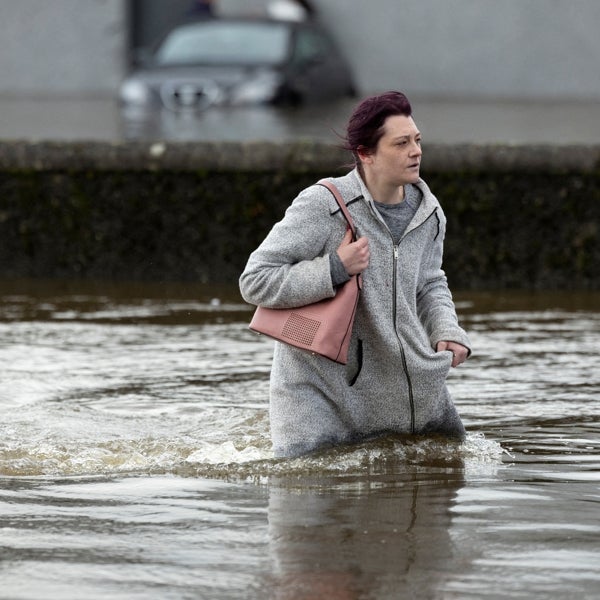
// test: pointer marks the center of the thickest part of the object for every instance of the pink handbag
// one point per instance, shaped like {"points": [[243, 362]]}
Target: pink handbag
{"points": [[324, 327]]}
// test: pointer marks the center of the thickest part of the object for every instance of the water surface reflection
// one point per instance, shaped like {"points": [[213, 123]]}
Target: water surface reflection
{"points": [[135, 459], [446, 121], [366, 537]]}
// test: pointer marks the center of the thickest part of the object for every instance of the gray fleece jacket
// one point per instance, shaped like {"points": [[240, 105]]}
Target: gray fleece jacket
{"points": [[394, 381]]}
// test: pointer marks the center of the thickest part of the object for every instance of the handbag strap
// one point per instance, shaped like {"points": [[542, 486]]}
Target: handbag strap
{"points": [[338, 198]]}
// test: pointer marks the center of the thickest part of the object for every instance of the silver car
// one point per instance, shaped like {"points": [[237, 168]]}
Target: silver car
{"points": [[233, 62]]}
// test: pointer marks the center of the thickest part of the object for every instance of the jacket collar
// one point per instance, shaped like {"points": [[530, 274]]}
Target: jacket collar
{"points": [[429, 203]]}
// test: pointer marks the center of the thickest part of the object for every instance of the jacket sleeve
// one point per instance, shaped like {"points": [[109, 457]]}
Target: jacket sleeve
{"points": [[290, 267], [434, 300]]}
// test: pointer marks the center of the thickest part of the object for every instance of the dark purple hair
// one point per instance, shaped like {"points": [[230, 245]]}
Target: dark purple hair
{"points": [[365, 126]]}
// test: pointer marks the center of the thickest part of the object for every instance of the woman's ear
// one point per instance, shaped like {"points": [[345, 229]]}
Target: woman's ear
{"points": [[364, 154]]}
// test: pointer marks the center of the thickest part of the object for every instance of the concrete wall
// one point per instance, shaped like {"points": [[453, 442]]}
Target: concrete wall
{"points": [[472, 48], [62, 47], [195, 211]]}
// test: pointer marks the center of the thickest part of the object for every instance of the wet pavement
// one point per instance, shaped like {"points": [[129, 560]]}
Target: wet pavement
{"points": [[454, 121]]}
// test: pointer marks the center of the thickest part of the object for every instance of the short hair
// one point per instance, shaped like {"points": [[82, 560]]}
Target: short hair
{"points": [[365, 126]]}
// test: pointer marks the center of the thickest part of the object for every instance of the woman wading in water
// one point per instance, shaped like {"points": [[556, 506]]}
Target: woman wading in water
{"points": [[406, 335]]}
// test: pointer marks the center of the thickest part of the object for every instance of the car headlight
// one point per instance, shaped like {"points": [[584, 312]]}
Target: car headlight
{"points": [[134, 91], [261, 88]]}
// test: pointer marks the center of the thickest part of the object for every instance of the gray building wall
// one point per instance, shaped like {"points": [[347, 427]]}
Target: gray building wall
{"points": [[538, 49], [62, 47], [472, 48]]}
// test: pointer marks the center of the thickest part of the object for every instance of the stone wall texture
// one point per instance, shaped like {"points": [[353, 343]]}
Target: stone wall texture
{"points": [[522, 217]]}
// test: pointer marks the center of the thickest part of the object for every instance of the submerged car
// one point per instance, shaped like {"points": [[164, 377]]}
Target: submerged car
{"points": [[232, 62]]}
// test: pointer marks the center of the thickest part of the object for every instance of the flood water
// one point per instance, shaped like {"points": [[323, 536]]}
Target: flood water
{"points": [[135, 460], [449, 121]]}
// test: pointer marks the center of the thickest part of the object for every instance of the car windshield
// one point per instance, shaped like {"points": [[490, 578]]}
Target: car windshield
{"points": [[215, 42]]}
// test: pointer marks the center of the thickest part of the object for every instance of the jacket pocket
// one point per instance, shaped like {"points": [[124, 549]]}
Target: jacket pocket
{"points": [[355, 366]]}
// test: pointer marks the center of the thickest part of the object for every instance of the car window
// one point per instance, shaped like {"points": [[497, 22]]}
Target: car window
{"points": [[310, 45], [216, 42]]}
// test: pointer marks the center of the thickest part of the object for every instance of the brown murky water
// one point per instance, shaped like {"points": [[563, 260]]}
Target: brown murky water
{"points": [[135, 460]]}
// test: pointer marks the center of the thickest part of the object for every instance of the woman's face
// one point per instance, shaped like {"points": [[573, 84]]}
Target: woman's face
{"points": [[396, 159]]}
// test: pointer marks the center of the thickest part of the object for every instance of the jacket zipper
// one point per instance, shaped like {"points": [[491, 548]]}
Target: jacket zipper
{"points": [[411, 398]]}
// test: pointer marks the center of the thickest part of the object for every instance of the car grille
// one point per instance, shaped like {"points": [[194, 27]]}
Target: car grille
{"points": [[186, 95]]}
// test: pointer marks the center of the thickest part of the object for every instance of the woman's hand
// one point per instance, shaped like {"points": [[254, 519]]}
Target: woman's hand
{"points": [[354, 255], [459, 352]]}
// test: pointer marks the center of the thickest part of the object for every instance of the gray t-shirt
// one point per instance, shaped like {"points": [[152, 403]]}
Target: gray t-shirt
{"points": [[396, 217]]}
